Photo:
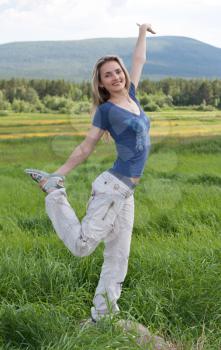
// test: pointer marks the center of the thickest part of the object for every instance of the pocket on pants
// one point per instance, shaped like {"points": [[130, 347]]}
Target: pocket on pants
{"points": [[102, 184], [101, 208], [101, 214]]}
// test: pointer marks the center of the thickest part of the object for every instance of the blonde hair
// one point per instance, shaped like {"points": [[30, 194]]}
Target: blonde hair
{"points": [[100, 94]]}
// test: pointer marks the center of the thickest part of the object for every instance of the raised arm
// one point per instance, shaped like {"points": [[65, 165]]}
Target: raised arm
{"points": [[139, 54]]}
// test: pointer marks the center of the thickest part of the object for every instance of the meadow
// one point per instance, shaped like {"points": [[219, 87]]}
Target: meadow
{"points": [[173, 285]]}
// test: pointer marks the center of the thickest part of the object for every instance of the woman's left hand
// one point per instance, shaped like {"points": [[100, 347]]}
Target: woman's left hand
{"points": [[147, 27]]}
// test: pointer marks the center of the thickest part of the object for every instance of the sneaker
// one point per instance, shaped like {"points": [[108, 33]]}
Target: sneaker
{"points": [[37, 175], [54, 181]]}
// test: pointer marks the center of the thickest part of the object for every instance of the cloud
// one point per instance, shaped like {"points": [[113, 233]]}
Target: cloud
{"points": [[113, 6], [77, 19], [45, 20], [4, 2]]}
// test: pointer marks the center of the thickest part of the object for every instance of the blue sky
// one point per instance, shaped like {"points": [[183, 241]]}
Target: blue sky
{"points": [[32, 20]]}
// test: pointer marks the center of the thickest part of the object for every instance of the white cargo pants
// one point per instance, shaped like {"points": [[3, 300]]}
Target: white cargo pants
{"points": [[109, 218]]}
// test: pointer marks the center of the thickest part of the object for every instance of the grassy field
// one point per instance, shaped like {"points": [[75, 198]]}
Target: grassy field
{"points": [[174, 279], [163, 124]]}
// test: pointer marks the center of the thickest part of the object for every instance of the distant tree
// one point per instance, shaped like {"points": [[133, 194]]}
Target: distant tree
{"points": [[57, 103], [4, 104], [82, 107], [205, 93], [76, 93], [22, 106], [167, 92]]}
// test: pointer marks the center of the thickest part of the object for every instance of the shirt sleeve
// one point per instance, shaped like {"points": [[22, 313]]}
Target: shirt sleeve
{"points": [[132, 90], [100, 119]]}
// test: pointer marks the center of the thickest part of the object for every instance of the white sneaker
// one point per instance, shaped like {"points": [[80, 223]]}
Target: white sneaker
{"points": [[53, 181]]}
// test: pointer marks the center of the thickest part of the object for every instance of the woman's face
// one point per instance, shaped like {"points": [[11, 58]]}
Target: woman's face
{"points": [[112, 77]]}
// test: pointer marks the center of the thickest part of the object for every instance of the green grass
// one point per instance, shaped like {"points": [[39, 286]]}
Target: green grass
{"points": [[164, 124], [174, 277]]}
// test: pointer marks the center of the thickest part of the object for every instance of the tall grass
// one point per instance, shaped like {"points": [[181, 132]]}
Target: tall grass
{"points": [[174, 277]]}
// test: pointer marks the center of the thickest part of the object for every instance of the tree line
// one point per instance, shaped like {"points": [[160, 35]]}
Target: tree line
{"points": [[40, 95]]}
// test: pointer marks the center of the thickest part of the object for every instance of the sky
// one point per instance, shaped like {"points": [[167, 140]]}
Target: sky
{"points": [[38, 20]]}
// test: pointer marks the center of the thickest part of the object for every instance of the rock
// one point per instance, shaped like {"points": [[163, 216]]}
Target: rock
{"points": [[144, 337]]}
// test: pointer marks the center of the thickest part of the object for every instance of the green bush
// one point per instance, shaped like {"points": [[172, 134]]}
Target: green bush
{"points": [[3, 113], [206, 108], [82, 107], [57, 103], [153, 102], [22, 106], [151, 107]]}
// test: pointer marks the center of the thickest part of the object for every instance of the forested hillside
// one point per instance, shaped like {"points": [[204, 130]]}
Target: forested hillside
{"points": [[167, 56]]}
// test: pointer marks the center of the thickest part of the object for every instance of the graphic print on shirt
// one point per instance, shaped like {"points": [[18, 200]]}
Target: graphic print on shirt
{"points": [[126, 128], [139, 126]]}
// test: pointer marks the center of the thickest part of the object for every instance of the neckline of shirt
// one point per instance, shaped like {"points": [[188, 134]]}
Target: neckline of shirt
{"points": [[126, 110]]}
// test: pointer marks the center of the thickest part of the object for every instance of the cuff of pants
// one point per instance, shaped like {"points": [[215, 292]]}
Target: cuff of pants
{"points": [[99, 314]]}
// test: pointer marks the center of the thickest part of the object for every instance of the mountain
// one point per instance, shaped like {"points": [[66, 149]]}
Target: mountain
{"points": [[73, 60]]}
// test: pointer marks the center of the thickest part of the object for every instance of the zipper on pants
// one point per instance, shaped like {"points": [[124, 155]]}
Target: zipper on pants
{"points": [[110, 205]]}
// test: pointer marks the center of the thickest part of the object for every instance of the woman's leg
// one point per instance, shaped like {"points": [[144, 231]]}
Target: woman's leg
{"points": [[103, 207], [115, 264], [67, 225]]}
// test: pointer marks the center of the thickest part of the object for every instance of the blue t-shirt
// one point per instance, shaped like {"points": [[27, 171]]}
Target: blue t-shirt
{"points": [[130, 133]]}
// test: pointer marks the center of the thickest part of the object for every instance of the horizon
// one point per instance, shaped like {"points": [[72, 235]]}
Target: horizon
{"points": [[64, 40]]}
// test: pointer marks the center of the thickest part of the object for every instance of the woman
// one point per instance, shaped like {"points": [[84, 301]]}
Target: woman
{"points": [[110, 210]]}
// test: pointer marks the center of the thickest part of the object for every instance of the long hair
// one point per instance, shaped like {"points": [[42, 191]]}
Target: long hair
{"points": [[100, 94]]}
